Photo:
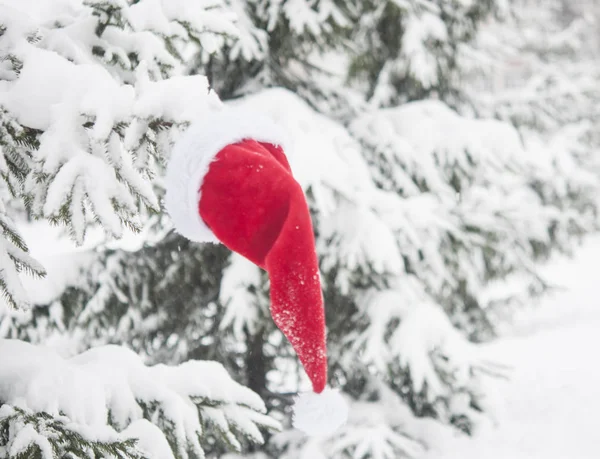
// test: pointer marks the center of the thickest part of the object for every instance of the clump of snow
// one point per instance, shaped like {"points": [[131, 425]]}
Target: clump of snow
{"points": [[150, 439], [179, 98], [65, 89]]}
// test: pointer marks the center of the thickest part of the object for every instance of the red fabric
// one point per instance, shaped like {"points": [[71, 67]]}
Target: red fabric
{"points": [[255, 207]]}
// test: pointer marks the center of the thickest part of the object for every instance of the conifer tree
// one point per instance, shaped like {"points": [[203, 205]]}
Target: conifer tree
{"points": [[411, 50], [418, 209], [540, 78], [91, 94]]}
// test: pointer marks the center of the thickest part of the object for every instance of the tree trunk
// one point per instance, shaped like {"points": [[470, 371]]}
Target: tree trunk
{"points": [[256, 368]]}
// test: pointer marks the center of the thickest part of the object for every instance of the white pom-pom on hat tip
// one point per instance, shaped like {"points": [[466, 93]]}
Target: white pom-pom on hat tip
{"points": [[321, 414]]}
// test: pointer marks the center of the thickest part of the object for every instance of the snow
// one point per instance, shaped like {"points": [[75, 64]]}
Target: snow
{"points": [[424, 329], [25, 438], [550, 402], [376, 436], [544, 409], [366, 241], [460, 179], [113, 380], [322, 154], [151, 440], [420, 31], [179, 98], [241, 310], [86, 89], [403, 229], [429, 135], [94, 96], [52, 247], [384, 428], [253, 42]]}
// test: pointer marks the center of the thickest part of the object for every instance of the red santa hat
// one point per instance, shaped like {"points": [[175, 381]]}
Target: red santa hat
{"points": [[228, 180]]}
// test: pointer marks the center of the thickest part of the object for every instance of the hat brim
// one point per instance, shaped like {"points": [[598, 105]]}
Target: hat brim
{"points": [[193, 153]]}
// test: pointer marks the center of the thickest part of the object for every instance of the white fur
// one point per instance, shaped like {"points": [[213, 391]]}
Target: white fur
{"points": [[193, 153], [319, 415]]}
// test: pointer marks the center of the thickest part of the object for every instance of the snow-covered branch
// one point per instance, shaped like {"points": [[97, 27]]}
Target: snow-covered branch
{"points": [[103, 396]]}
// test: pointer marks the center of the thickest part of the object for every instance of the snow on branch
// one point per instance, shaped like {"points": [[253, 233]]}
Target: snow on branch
{"points": [[102, 395], [42, 435], [466, 183], [14, 258], [241, 305], [91, 92]]}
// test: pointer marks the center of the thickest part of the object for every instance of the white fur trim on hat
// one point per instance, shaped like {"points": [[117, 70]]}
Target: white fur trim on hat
{"points": [[193, 153]]}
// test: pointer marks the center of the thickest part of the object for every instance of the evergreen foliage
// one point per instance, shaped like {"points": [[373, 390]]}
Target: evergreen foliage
{"points": [[51, 436], [96, 402], [421, 211], [411, 50]]}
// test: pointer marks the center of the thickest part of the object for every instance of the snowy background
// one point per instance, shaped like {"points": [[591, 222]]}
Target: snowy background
{"points": [[449, 153]]}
